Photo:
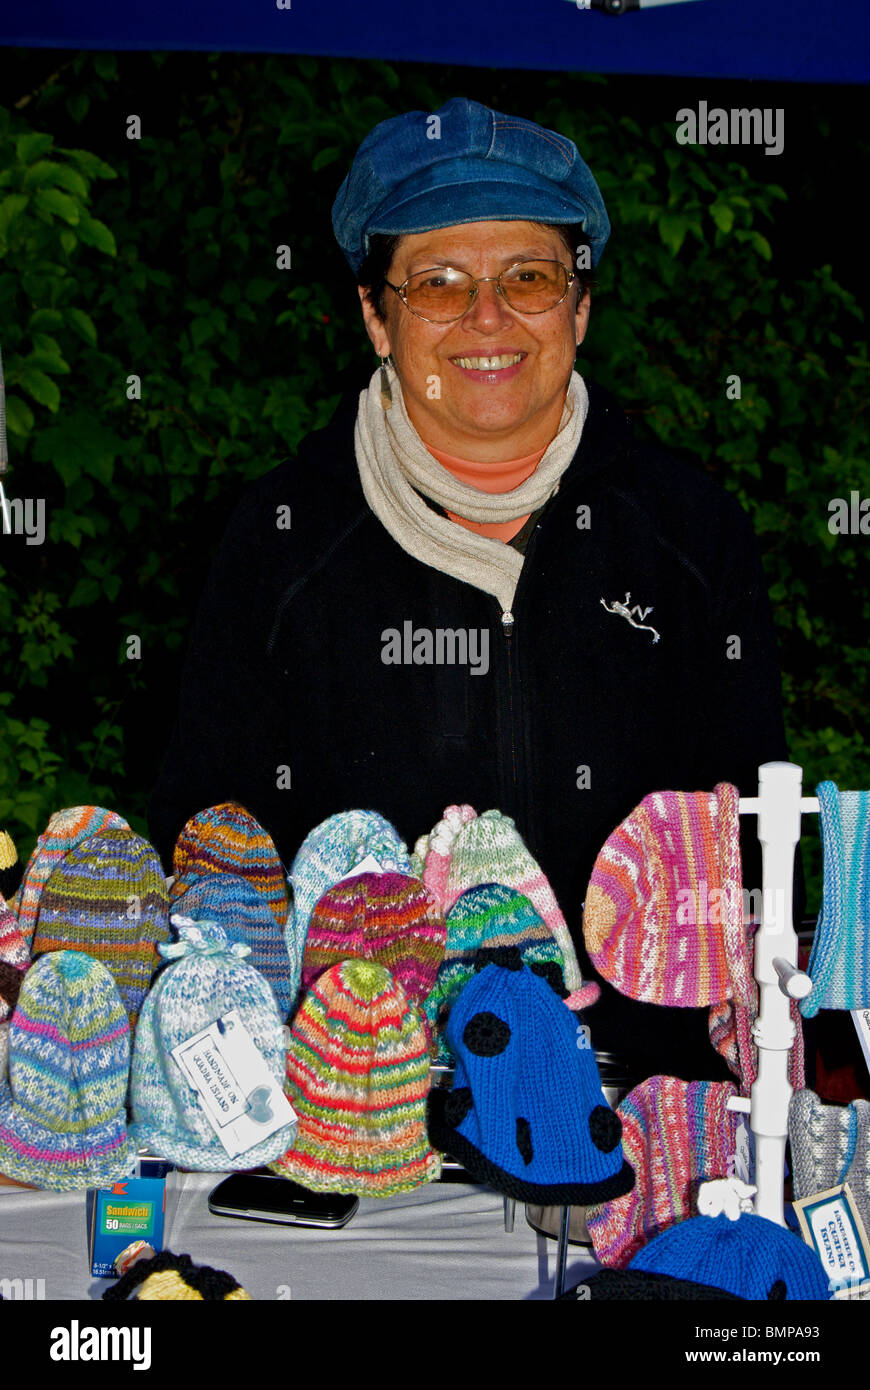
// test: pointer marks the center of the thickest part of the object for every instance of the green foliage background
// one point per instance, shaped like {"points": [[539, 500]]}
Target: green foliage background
{"points": [[156, 257]]}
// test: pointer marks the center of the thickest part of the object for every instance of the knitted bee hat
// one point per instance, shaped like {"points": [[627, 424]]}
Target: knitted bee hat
{"points": [[245, 915], [526, 1113], [489, 849], [206, 978], [62, 1113], [490, 916], [226, 839], [168, 1278], [389, 918], [65, 829], [107, 896], [10, 870], [357, 1077], [329, 853], [840, 958], [716, 1257]]}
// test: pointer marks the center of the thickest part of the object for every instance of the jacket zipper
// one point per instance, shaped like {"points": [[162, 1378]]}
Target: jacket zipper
{"points": [[507, 623]]}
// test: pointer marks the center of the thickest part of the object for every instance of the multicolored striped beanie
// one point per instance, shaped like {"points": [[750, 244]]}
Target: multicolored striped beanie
{"points": [[14, 961], [489, 849], [489, 917], [245, 915], [10, 870], [839, 964], [226, 839], [62, 1112], [715, 1257], [527, 1114], [329, 853], [107, 896], [830, 1145], [205, 979], [358, 1077], [65, 830], [675, 1134], [432, 853], [388, 918]]}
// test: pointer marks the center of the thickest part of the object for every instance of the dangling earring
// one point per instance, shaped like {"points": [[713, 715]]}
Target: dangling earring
{"points": [[386, 393]]}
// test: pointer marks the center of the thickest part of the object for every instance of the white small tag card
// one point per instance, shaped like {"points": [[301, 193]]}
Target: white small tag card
{"points": [[831, 1223], [369, 865], [861, 1020], [744, 1152], [240, 1097]]}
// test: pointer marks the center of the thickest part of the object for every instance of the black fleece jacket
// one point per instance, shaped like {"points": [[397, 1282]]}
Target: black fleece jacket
{"points": [[564, 719]]}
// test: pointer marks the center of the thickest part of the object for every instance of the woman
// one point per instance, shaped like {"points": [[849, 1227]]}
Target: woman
{"points": [[475, 585]]}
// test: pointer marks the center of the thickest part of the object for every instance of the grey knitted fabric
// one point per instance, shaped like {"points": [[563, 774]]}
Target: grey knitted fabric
{"points": [[830, 1145]]}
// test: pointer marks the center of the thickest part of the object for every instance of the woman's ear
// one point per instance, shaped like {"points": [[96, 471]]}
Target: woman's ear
{"points": [[375, 326], [581, 317]]}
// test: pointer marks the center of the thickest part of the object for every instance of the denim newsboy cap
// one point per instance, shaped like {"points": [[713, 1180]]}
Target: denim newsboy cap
{"points": [[413, 174]]}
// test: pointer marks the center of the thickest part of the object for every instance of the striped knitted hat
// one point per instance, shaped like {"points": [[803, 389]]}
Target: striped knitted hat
{"points": [[488, 849], [358, 1077], [62, 1115], [840, 958], [206, 978], [329, 853], [226, 839], [663, 916], [830, 1145], [107, 896], [526, 1114], [66, 829], [675, 1134], [10, 871], [388, 918], [14, 961], [236, 905], [488, 917], [432, 853]]}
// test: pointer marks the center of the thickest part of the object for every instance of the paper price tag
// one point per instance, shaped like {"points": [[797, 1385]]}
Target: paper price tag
{"points": [[240, 1098], [744, 1152], [369, 865], [861, 1020]]}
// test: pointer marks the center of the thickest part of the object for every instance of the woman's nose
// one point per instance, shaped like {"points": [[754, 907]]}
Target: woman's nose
{"points": [[489, 306]]}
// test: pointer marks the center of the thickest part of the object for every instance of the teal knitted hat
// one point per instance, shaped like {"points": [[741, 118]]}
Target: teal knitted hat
{"points": [[62, 1115], [206, 977], [328, 854], [839, 964], [488, 917]]}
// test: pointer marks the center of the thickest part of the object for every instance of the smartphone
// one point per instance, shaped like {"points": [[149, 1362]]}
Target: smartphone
{"points": [[261, 1195]]}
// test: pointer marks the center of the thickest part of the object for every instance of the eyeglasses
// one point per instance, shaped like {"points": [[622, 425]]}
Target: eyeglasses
{"points": [[442, 294]]}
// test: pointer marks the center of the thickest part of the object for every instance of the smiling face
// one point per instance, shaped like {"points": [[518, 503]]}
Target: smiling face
{"points": [[491, 411]]}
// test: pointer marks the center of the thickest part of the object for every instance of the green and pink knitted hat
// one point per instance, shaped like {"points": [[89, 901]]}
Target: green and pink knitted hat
{"points": [[14, 961], [65, 830], [388, 918], [358, 1078], [226, 839]]}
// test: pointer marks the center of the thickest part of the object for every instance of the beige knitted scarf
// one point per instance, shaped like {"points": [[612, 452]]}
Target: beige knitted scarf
{"points": [[395, 467]]}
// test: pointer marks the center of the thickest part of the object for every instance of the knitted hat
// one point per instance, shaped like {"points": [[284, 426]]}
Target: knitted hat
{"points": [[62, 1115], [358, 1076], [840, 958], [236, 905], [328, 854], [64, 830], [489, 849], [388, 918], [675, 1134], [14, 960], [107, 896], [226, 839], [432, 853], [526, 1113], [207, 977], [175, 1278], [830, 1145], [651, 922], [710, 1257], [10, 870], [488, 917]]}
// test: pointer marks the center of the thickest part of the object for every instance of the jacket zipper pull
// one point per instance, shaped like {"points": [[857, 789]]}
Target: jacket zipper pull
{"points": [[507, 622]]}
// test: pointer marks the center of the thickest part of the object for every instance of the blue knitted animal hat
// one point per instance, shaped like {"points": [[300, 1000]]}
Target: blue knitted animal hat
{"points": [[489, 917], [63, 1122], [840, 959], [526, 1113], [206, 978], [328, 854], [715, 1257], [245, 915]]}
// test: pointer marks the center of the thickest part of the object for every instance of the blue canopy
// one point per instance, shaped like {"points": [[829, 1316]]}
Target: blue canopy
{"points": [[787, 40]]}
